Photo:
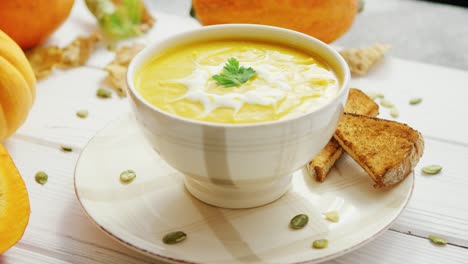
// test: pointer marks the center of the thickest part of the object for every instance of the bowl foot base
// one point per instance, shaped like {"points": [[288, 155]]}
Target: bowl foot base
{"points": [[236, 197]]}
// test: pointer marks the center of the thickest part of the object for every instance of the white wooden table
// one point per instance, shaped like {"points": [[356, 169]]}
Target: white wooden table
{"points": [[60, 232]]}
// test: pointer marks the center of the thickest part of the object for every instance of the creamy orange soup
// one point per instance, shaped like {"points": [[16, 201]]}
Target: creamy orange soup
{"points": [[286, 82]]}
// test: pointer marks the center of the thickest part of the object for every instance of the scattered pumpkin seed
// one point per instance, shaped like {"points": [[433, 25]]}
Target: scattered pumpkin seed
{"points": [[394, 112], [321, 243], [111, 47], [332, 216], [127, 176], [432, 169], [437, 240], [174, 237], [41, 177], [82, 113], [103, 93], [386, 103], [415, 101], [66, 148], [299, 221], [374, 96], [361, 5]]}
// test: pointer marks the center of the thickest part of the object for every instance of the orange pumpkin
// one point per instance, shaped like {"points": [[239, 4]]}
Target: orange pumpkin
{"points": [[326, 20], [29, 22], [14, 202], [17, 87]]}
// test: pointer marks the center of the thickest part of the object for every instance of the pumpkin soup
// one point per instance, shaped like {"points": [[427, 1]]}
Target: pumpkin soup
{"points": [[236, 81]]}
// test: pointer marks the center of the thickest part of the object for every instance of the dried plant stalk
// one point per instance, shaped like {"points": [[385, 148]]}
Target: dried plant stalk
{"points": [[361, 60]]}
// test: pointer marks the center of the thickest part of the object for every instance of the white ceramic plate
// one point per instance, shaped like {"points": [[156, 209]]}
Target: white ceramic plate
{"points": [[139, 214]]}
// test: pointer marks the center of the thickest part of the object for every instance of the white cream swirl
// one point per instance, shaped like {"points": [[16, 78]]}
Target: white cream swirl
{"points": [[279, 76]]}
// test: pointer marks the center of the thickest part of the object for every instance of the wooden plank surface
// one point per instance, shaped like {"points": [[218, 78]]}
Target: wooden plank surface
{"points": [[442, 90], [439, 204], [397, 248], [26, 256]]}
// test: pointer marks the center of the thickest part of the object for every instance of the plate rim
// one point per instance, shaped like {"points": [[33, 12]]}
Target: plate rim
{"points": [[176, 260]]}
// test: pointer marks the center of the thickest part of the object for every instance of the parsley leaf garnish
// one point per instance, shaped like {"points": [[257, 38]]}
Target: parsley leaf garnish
{"points": [[233, 74]]}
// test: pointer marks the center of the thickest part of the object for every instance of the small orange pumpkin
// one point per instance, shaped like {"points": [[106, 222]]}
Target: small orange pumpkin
{"points": [[326, 20], [14, 202], [29, 22], [17, 86]]}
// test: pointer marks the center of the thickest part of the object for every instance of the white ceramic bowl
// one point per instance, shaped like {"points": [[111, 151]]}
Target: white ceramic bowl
{"points": [[236, 165]]}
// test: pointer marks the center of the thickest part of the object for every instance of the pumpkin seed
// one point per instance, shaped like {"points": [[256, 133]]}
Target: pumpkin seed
{"points": [[415, 101], [174, 237], [386, 103], [127, 176], [319, 244], [111, 47], [103, 93], [66, 148], [41, 177], [437, 240], [192, 12], [332, 216], [360, 6], [394, 112], [374, 96], [432, 169], [299, 221], [82, 113]]}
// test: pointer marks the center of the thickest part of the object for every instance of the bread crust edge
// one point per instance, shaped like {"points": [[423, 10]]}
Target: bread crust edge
{"points": [[392, 175]]}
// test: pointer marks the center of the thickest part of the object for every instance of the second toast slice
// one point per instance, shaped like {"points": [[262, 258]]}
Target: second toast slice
{"points": [[358, 103]]}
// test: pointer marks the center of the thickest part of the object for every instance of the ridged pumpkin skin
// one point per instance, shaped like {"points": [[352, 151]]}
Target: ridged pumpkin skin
{"points": [[14, 202], [29, 22], [326, 20], [17, 86]]}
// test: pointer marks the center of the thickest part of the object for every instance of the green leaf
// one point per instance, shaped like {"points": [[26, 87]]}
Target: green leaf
{"points": [[117, 20], [133, 8], [225, 81], [233, 74]]}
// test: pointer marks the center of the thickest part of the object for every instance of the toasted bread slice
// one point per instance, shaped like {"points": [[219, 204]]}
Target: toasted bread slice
{"points": [[324, 161], [358, 103], [361, 104], [386, 149]]}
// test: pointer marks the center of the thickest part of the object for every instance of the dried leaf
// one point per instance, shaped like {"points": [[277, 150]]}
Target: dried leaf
{"points": [[147, 21], [361, 60], [116, 78], [44, 59], [125, 54], [77, 52], [117, 69]]}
